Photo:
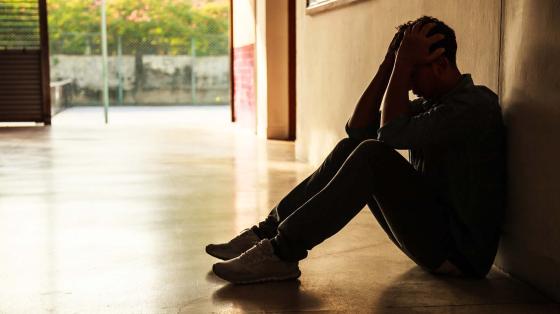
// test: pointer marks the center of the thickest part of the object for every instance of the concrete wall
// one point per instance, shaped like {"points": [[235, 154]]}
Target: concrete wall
{"points": [[149, 79], [530, 85], [277, 64], [338, 52], [272, 69]]}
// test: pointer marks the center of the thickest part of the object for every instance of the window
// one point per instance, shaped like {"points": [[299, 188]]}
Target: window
{"points": [[317, 6]]}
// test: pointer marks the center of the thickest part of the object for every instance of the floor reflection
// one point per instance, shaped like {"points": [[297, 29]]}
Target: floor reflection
{"points": [[275, 296], [114, 218]]}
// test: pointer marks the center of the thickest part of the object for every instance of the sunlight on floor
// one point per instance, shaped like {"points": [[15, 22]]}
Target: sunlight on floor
{"points": [[114, 218]]}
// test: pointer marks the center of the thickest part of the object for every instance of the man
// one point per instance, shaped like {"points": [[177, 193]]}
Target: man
{"points": [[444, 209]]}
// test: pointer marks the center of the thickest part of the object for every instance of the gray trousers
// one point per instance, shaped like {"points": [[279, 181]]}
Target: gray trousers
{"points": [[354, 174]]}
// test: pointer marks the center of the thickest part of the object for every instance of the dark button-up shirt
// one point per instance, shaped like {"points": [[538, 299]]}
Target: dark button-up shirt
{"points": [[457, 143]]}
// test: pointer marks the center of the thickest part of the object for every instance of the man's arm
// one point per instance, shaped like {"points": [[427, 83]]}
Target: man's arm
{"points": [[366, 112], [397, 102], [413, 51]]}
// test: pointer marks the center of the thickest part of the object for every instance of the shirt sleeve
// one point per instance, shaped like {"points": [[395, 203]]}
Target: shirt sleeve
{"points": [[370, 131], [416, 106], [451, 121]]}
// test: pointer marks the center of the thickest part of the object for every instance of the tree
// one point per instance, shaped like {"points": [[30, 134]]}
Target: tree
{"points": [[144, 26]]}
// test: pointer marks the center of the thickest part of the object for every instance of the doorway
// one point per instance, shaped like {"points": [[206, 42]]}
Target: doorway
{"points": [[159, 53], [263, 67]]}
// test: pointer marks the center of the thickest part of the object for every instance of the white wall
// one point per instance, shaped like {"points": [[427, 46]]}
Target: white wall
{"points": [[272, 69], [530, 84], [244, 20]]}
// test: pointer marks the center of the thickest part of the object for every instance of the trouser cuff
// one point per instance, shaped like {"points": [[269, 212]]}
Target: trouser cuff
{"points": [[286, 250]]}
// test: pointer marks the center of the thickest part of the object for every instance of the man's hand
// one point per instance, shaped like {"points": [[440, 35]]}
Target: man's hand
{"points": [[391, 54], [414, 50], [415, 46], [366, 113]]}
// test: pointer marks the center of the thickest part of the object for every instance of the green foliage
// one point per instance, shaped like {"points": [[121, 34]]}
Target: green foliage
{"points": [[144, 26], [19, 25]]}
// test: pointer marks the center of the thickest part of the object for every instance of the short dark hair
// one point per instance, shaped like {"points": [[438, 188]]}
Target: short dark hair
{"points": [[449, 42]]}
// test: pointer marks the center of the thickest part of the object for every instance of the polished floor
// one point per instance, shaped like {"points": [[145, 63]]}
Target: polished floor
{"points": [[114, 218]]}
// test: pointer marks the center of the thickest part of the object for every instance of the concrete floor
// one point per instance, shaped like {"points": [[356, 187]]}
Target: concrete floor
{"points": [[97, 218]]}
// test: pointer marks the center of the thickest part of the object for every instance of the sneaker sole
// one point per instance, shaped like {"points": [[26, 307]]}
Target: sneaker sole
{"points": [[261, 280]]}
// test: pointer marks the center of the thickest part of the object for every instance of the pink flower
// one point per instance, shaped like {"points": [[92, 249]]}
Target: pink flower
{"points": [[139, 15]]}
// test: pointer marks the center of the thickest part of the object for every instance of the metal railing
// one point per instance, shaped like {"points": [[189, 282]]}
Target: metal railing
{"points": [[194, 72]]}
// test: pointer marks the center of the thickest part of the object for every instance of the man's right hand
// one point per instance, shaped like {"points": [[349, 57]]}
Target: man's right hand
{"points": [[391, 54], [415, 47], [366, 113]]}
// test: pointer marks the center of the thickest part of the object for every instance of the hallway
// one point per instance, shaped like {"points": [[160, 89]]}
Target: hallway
{"points": [[97, 218]]}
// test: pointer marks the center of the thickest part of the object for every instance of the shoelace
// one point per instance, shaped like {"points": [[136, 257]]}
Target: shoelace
{"points": [[254, 254], [239, 236], [242, 234]]}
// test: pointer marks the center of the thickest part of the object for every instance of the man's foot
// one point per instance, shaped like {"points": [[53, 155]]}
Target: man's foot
{"points": [[258, 264], [241, 243]]}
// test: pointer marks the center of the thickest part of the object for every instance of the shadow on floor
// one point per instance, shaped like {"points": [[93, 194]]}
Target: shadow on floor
{"points": [[416, 289], [267, 296]]}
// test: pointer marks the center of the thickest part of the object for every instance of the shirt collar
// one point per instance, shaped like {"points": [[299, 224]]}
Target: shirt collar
{"points": [[464, 81]]}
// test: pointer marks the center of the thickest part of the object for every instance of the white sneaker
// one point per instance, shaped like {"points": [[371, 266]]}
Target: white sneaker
{"points": [[241, 243], [258, 264]]}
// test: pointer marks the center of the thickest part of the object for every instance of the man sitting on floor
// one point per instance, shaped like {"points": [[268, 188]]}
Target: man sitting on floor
{"points": [[444, 209]]}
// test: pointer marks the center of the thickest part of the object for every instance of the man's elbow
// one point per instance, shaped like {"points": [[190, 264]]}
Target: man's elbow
{"points": [[383, 137], [385, 134], [395, 140], [360, 133]]}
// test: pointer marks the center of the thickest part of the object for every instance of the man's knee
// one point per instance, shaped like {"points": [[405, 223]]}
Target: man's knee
{"points": [[377, 152], [346, 145], [347, 141], [369, 148], [372, 146]]}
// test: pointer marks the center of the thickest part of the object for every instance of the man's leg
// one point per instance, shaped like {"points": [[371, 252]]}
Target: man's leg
{"points": [[306, 189], [405, 200], [267, 229]]}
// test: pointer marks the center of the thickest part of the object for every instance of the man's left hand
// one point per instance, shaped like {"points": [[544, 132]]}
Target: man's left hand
{"points": [[414, 48]]}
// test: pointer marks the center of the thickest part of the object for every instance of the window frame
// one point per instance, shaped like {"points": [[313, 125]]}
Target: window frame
{"points": [[313, 7]]}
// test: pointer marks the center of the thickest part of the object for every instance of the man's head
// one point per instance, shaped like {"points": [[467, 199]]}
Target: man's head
{"points": [[435, 78]]}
